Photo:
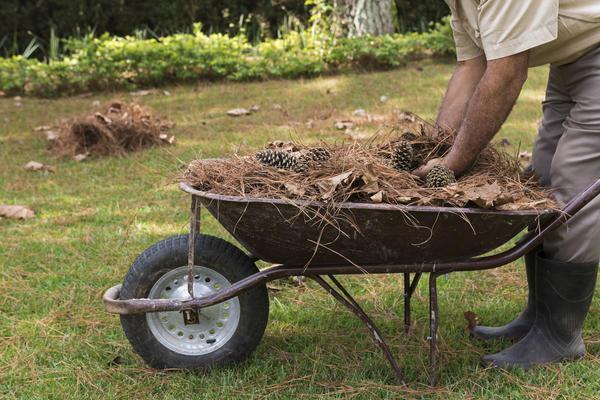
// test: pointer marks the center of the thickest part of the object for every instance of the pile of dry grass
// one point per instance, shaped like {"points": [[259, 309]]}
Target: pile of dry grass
{"points": [[116, 129], [363, 172]]}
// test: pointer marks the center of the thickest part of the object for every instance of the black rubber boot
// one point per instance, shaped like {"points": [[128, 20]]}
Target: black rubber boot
{"points": [[520, 326], [564, 293]]}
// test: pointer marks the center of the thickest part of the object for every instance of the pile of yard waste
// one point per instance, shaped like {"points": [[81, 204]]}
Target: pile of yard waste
{"points": [[376, 171], [115, 128]]}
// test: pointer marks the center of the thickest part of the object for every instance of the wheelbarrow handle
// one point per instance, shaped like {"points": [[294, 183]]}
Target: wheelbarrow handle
{"points": [[532, 239]]}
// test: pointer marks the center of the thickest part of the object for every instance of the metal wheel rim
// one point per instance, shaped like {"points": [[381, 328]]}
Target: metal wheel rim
{"points": [[217, 323]]}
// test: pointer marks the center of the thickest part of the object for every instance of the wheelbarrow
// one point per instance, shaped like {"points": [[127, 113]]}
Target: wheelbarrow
{"points": [[196, 301]]}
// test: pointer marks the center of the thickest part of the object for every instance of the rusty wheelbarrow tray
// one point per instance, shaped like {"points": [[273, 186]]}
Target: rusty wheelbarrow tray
{"points": [[365, 239]]}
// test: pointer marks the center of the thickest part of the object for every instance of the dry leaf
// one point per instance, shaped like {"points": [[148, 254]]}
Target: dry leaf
{"points": [[51, 136], [383, 99], [254, 108], [166, 138], [328, 186], [472, 320], [140, 93], [166, 93], [404, 199], [407, 116], [81, 157], [16, 212], [359, 112], [356, 134], [294, 189], [237, 112], [42, 128], [283, 146], [38, 166], [103, 118], [377, 197], [486, 196], [525, 158], [369, 177], [343, 124]]}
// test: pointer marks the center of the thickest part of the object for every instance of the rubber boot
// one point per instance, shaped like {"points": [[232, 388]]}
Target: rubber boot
{"points": [[520, 326], [564, 293]]}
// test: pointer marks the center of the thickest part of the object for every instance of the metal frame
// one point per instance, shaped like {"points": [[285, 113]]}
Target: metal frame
{"points": [[529, 241]]}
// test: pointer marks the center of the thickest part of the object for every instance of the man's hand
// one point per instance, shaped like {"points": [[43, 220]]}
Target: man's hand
{"points": [[423, 170], [487, 110]]}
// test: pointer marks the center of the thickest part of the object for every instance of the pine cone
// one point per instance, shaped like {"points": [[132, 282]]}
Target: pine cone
{"points": [[403, 156], [440, 176], [302, 164], [288, 161], [273, 158], [408, 136], [319, 154]]}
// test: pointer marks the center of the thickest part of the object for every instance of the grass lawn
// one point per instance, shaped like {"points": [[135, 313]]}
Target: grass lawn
{"points": [[94, 217]]}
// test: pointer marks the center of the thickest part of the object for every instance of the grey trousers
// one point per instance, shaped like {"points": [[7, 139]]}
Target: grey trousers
{"points": [[566, 155]]}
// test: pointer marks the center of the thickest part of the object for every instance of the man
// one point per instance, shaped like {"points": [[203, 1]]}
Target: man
{"points": [[496, 41]]}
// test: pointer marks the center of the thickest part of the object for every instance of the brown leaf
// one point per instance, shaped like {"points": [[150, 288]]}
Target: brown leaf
{"points": [[343, 124], [283, 146], [328, 186], [377, 197], [81, 157], [294, 189], [51, 136], [237, 112], [525, 158], [38, 166], [355, 134], [42, 128], [166, 138], [141, 93], [369, 177], [485, 196], [472, 320], [103, 118], [16, 212]]}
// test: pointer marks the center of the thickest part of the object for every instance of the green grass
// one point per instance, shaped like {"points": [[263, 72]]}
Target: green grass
{"points": [[93, 218]]}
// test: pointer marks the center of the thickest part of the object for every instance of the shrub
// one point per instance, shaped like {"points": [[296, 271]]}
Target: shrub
{"points": [[107, 62]]}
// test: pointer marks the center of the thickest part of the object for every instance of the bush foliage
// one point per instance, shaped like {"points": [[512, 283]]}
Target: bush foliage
{"points": [[109, 62], [21, 21]]}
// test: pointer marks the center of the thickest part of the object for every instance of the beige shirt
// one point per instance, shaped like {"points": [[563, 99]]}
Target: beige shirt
{"points": [[555, 31]]}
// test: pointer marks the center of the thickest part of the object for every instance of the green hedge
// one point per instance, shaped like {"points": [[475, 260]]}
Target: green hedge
{"points": [[22, 20], [113, 62]]}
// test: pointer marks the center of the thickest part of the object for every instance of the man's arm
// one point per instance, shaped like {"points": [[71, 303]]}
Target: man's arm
{"points": [[460, 90], [487, 110]]}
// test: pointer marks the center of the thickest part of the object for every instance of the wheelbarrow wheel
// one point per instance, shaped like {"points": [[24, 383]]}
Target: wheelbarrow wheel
{"points": [[225, 333]]}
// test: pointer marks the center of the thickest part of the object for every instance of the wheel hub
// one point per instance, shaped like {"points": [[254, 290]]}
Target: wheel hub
{"points": [[216, 324]]}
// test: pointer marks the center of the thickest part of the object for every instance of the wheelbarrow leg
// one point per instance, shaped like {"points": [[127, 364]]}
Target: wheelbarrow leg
{"points": [[194, 230], [433, 326], [347, 300], [409, 289]]}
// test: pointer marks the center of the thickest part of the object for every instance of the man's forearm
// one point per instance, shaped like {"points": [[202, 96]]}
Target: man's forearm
{"points": [[461, 87], [487, 110]]}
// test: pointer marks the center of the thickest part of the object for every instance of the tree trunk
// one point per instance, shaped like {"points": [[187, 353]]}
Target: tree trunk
{"points": [[366, 17]]}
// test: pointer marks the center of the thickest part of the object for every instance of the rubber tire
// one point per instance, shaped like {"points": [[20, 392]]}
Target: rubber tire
{"points": [[210, 252]]}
